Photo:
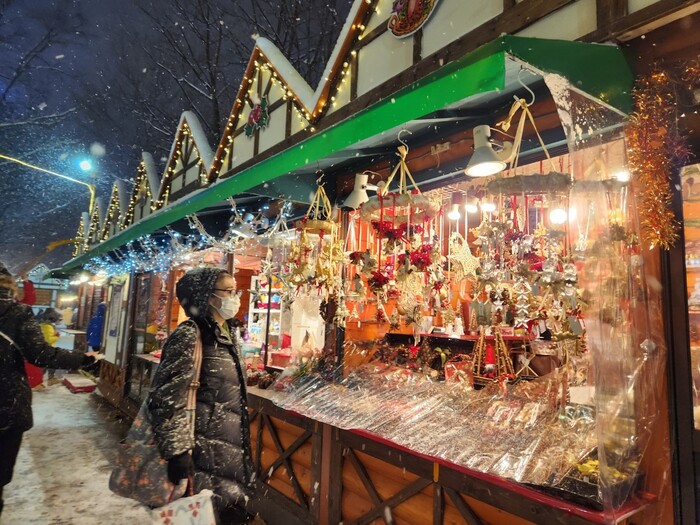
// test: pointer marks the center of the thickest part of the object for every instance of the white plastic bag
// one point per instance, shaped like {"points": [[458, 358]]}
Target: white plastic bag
{"points": [[190, 510]]}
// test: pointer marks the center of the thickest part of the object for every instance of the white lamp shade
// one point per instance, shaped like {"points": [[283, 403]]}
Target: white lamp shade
{"points": [[485, 161], [359, 192]]}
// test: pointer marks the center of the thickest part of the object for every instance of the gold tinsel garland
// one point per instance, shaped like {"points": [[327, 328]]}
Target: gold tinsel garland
{"points": [[649, 137]]}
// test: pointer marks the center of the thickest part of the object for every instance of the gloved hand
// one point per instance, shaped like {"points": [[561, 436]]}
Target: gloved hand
{"points": [[180, 467]]}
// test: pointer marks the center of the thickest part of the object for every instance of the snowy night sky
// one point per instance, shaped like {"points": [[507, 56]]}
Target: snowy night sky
{"points": [[107, 79]]}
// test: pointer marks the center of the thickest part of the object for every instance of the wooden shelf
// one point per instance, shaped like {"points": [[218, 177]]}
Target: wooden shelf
{"points": [[469, 337]]}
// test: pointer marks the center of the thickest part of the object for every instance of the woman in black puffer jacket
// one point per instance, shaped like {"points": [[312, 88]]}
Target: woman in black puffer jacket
{"points": [[220, 452], [21, 339]]}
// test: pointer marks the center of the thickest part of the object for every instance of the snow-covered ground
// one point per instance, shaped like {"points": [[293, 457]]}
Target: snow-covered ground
{"points": [[64, 464]]}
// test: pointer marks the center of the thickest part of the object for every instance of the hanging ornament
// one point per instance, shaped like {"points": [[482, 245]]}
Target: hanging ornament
{"points": [[402, 208], [315, 261], [522, 290], [464, 264]]}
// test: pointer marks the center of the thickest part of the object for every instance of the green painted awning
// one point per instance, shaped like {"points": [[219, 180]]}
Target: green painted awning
{"points": [[599, 71]]}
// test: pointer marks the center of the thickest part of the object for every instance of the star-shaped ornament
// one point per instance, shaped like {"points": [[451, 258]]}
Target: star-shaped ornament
{"points": [[463, 261]]}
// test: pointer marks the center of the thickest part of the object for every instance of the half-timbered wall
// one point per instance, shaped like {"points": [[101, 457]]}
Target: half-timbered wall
{"points": [[114, 213], [369, 62], [189, 160], [95, 226], [142, 195]]}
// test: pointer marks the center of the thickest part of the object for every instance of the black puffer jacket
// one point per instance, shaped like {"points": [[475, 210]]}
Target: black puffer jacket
{"points": [[222, 445], [18, 323]]}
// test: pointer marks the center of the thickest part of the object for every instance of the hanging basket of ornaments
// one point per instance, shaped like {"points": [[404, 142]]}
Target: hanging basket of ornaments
{"points": [[314, 261], [400, 209], [318, 218]]}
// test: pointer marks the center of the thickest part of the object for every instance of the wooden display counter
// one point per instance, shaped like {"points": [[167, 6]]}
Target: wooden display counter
{"points": [[315, 473]]}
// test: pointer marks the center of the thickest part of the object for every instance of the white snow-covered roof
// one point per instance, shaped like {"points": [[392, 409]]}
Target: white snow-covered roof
{"points": [[308, 97], [151, 172], [122, 196], [325, 78], [287, 72], [99, 210], [198, 136], [85, 219]]}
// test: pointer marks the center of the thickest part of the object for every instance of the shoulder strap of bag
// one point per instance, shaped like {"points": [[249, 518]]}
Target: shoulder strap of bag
{"points": [[194, 385], [8, 339]]}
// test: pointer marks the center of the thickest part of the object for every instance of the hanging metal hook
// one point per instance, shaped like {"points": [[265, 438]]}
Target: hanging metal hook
{"points": [[401, 140], [319, 177], [520, 81]]}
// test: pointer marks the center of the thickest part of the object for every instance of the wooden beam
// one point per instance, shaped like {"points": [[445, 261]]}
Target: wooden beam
{"points": [[364, 477], [378, 31], [397, 499], [464, 510], [288, 119], [286, 454], [438, 505], [608, 11], [335, 491], [354, 73], [640, 22], [417, 46], [287, 463]]}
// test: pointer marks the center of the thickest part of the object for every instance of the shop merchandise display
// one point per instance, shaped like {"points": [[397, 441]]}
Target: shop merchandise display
{"points": [[518, 323]]}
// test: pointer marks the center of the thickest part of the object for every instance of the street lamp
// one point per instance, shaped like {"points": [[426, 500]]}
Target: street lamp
{"points": [[85, 165], [90, 187]]}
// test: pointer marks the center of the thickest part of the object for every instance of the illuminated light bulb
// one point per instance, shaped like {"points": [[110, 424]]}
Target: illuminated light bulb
{"points": [[488, 207], [454, 214], [622, 176], [558, 216]]}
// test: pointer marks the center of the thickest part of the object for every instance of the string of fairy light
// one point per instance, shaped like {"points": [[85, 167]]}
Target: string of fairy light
{"points": [[151, 253], [142, 189]]}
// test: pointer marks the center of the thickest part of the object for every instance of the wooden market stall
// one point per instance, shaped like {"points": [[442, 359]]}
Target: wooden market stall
{"points": [[561, 323]]}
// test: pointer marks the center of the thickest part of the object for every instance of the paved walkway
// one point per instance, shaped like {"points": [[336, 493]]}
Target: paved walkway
{"points": [[64, 465]]}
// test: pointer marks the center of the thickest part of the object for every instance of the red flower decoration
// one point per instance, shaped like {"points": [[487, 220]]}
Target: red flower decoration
{"points": [[378, 281], [356, 257]]}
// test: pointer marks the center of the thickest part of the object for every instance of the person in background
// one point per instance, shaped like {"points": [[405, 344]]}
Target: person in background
{"points": [[21, 338], [35, 374], [219, 455], [94, 328], [67, 315], [48, 321]]}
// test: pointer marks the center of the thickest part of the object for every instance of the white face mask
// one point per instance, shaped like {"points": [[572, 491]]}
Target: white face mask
{"points": [[229, 306]]}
